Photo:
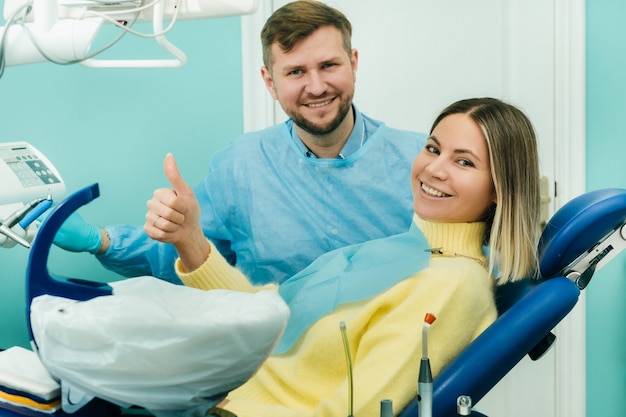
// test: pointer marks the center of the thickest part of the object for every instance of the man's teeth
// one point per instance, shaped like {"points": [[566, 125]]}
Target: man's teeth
{"points": [[319, 104], [433, 192]]}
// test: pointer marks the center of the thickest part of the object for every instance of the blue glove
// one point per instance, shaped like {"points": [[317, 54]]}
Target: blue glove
{"points": [[76, 235]]}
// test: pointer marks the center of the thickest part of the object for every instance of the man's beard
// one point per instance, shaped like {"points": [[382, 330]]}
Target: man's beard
{"points": [[317, 130]]}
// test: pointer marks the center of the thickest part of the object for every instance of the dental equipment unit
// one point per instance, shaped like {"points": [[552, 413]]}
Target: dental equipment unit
{"points": [[29, 184]]}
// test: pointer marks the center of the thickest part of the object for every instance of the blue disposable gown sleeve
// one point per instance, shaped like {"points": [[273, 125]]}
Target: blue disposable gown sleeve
{"points": [[133, 253]]}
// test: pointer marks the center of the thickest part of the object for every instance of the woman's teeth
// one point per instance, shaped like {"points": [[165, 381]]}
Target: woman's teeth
{"points": [[433, 192]]}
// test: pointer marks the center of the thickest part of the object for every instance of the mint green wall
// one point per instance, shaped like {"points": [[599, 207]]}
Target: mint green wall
{"points": [[606, 167], [114, 126]]}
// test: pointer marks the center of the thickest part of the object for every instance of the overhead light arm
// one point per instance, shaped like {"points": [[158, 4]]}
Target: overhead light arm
{"points": [[63, 31]]}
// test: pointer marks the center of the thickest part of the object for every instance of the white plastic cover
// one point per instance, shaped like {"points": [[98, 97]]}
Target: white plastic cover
{"points": [[171, 349]]}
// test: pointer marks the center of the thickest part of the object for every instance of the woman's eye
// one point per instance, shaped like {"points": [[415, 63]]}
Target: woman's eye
{"points": [[432, 149], [466, 163]]}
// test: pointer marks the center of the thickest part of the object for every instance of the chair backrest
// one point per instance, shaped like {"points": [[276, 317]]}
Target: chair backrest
{"points": [[584, 235], [530, 309]]}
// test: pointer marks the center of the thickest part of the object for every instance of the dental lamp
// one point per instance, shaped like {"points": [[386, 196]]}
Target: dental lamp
{"points": [[63, 31]]}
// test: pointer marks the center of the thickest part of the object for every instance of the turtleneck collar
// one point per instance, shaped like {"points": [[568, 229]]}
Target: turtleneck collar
{"points": [[454, 239]]}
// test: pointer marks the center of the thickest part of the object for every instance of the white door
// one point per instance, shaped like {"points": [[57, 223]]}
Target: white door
{"points": [[416, 57]]}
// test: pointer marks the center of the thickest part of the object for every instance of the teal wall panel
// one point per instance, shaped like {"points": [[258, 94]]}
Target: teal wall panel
{"points": [[114, 127], [606, 167]]}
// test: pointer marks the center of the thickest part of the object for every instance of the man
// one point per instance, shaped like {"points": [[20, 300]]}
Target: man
{"points": [[276, 199]]}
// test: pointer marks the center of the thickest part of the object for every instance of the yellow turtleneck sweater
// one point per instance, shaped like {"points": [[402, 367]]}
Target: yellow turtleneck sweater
{"points": [[384, 333]]}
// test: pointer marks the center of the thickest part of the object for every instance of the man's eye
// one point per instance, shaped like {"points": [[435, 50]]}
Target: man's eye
{"points": [[295, 72]]}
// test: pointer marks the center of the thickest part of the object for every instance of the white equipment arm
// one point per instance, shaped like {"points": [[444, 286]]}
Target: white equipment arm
{"points": [[63, 31]]}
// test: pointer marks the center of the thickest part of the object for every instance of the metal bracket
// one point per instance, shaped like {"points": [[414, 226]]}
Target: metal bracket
{"points": [[582, 269]]}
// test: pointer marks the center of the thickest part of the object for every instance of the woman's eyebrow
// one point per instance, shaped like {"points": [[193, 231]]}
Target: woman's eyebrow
{"points": [[466, 151], [460, 151]]}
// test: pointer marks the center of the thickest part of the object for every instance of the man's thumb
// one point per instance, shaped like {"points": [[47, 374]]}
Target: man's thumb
{"points": [[173, 175]]}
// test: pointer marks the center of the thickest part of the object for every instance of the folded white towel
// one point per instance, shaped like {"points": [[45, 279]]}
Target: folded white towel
{"points": [[21, 369]]}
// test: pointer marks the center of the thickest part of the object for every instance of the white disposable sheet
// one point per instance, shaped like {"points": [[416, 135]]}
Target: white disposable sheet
{"points": [[171, 349]]}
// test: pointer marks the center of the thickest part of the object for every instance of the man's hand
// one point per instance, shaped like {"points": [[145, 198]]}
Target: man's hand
{"points": [[174, 217]]}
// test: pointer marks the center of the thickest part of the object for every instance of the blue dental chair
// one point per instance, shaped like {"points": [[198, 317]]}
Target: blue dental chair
{"points": [[580, 238]]}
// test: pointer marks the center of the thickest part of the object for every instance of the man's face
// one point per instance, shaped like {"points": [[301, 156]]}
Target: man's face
{"points": [[314, 82]]}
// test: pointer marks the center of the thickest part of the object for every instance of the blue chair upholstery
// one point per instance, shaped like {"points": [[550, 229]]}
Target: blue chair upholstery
{"points": [[530, 309]]}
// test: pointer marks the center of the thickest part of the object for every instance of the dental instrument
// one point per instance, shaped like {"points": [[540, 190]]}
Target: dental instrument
{"points": [[34, 211], [12, 235], [344, 337], [425, 381], [20, 214], [386, 408], [24, 217]]}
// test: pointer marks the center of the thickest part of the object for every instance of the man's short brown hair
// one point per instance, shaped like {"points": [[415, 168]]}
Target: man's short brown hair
{"points": [[298, 20]]}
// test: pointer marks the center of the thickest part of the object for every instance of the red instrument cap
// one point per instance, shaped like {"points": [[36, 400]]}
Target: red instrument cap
{"points": [[430, 318]]}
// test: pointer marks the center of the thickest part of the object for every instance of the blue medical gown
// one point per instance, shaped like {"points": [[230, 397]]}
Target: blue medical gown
{"points": [[271, 210]]}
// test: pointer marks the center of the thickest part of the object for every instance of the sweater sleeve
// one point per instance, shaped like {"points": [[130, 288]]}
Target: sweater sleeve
{"points": [[217, 273]]}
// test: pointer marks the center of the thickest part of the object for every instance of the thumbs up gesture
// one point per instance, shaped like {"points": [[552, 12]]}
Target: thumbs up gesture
{"points": [[174, 217]]}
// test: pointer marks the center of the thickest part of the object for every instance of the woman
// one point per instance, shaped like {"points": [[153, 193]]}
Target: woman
{"points": [[475, 183]]}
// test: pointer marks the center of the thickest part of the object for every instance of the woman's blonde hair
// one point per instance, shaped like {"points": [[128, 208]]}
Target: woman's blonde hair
{"points": [[513, 223]]}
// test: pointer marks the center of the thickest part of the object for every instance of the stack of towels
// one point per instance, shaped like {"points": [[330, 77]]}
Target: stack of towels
{"points": [[26, 387]]}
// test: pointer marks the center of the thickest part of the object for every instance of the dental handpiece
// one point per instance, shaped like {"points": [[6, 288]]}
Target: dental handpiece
{"points": [[386, 408], [425, 380], [12, 235], [19, 214], [33, 210]]}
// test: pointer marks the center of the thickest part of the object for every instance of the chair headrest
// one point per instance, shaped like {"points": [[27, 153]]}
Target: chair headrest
{"points": [[578, 226]]}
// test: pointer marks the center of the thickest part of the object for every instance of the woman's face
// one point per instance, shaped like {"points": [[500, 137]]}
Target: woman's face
{"points": [[451, 177]]}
